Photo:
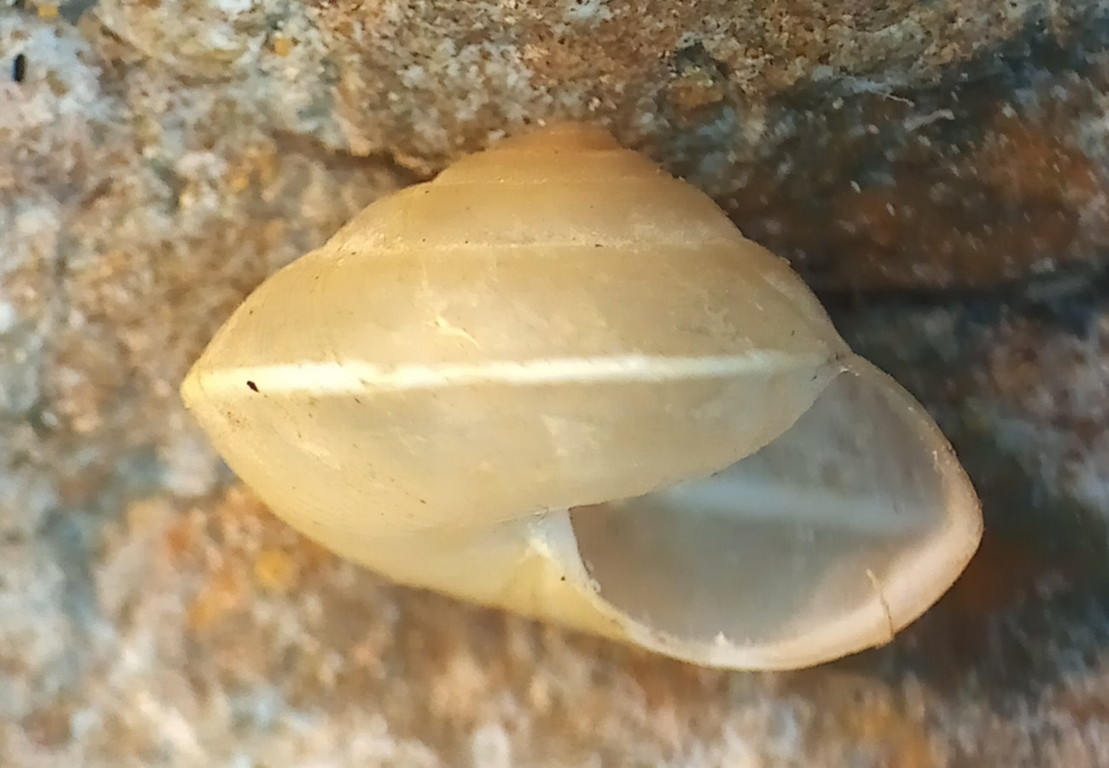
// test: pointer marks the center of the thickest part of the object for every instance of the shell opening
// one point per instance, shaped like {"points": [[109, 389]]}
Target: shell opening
{"points": [[827, 541]]}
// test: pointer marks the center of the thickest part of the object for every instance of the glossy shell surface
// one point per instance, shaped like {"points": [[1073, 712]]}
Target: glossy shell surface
{"points": [[557, 380]]}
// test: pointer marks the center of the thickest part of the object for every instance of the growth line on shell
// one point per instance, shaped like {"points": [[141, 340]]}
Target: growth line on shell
{"points": [[357, 377]]}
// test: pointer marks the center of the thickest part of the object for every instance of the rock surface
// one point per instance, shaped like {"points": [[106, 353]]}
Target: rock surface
{"points": [[937, 169]]}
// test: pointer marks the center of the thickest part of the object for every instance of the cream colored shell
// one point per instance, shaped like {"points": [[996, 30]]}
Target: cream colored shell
{"points": [[559, 381]]}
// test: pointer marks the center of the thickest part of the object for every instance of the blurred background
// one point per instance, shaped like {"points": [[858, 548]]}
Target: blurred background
{"points": [[937, 171]]}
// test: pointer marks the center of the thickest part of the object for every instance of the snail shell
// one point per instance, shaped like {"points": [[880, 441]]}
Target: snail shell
{"points": [[559, 381]]}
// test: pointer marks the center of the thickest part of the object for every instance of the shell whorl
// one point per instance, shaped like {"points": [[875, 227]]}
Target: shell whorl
{"points": [[560, 288]]}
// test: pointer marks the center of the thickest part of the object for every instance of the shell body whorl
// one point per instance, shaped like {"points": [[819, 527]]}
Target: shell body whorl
{"points": [[482, 384]]}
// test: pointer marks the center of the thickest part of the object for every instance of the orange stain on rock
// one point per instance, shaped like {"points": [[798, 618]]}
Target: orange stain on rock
{"points": [[282, 46], [180, 539], [905, 743], [1022, 163], [275, 569], [222, 594]]}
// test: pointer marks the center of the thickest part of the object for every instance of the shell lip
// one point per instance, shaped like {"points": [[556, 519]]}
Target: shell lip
{"points": [[918, 581], [871, 626]]}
